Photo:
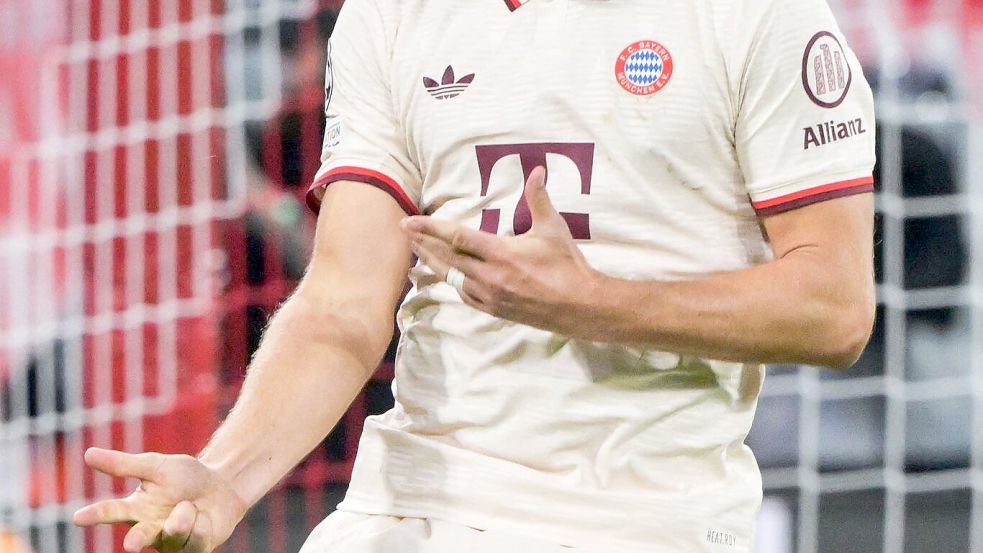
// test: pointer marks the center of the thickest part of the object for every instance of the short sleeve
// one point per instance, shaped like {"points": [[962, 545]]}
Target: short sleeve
{"points": [[805, 125], [363, 139]]}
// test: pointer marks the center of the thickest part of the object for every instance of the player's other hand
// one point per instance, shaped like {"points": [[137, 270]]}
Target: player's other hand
{"points": [[539, 278], [181, 505]]}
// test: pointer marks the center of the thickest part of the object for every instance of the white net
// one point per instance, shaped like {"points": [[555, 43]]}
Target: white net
{"points": [[150, 157], [125, 172], [888, 457]]}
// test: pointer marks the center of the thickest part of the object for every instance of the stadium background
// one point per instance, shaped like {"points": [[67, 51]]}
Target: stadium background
{"points": [[153, 154]]}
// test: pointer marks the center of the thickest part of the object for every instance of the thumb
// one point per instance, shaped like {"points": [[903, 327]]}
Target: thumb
{"points": [[541, 208]]}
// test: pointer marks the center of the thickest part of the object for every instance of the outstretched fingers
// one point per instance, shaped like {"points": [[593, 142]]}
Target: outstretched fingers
{"points": [[461, 239], [124, 465], [110, 511], [439, 256]]}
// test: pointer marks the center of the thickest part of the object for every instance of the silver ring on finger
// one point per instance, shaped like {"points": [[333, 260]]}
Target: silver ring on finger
{"points": [[455, 278]]}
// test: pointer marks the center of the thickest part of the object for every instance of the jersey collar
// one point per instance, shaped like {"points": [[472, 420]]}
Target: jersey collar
{"points": [[515, 4]]}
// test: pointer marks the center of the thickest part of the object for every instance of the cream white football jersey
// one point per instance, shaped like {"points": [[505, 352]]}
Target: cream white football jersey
{"points": [[668, 129]]}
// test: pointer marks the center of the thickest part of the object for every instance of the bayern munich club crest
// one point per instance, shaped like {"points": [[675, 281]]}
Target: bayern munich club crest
{"points": [[643, 68]]}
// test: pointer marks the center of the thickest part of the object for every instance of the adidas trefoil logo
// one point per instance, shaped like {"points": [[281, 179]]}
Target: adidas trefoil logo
{"points": [[447, 87]]}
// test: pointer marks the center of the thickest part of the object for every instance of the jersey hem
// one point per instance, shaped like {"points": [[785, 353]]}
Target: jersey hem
{"points": [[398, 474], [352, 505], [365, 176], [814, 195]]}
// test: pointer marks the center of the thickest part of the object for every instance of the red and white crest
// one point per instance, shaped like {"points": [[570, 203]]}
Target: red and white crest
{"points": [[644, 67]]}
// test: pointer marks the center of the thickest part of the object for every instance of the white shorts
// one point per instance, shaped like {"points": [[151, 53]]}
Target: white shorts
{"points": [[345, 532]]}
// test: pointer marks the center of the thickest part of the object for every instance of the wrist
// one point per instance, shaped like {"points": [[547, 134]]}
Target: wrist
{"points": [[232, 475], [589, 305]]}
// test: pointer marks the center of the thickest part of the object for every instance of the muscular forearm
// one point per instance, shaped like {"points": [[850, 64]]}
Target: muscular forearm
{"points": [[813, 304], [308, 369], [316, 355], [792, 310]]}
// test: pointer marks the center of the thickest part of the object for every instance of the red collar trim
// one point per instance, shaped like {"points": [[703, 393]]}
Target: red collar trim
{"points": [[513, 4]]}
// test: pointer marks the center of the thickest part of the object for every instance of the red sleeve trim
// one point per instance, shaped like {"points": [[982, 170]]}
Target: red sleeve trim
{"points": [[513, 4], [363, 175], [817, 194]]}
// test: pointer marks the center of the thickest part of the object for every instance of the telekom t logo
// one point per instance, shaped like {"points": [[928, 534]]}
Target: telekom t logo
{"points": [[530, 156]]}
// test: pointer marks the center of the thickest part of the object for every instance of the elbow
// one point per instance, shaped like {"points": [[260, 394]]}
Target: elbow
{"points": [[341, 325], [847, 331]]}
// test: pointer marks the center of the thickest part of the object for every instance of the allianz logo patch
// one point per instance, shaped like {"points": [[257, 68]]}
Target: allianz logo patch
{"points": [[831, 131], [448, 87]]}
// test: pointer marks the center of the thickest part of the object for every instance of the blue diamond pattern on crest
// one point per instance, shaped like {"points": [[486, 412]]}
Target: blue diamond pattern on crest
{"points": [[643, 67]]}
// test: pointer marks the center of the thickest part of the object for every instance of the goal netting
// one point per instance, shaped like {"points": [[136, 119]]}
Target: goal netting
{"points": [[153, 155], [888, 457]]}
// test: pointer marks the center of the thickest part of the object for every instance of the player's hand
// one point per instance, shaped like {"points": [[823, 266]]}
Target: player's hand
{"points": [[539, 278], [180, 506]]}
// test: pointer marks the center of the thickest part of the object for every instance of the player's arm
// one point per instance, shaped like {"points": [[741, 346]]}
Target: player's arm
{"points": [[322, 345], [317, 353], [813, 304]]}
